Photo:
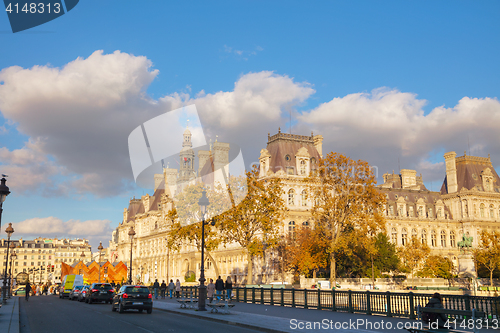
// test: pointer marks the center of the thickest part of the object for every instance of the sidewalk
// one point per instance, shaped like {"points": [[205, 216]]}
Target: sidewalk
{"points": [[286, 319], [9, 316]]}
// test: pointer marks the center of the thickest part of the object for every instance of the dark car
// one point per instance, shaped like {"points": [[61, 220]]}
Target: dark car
{"points": [[133, 297], [99, 292], [83, 293], [73, 294]]}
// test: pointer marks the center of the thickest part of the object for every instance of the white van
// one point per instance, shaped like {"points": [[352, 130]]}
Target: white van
{"points": [[68, 283]]}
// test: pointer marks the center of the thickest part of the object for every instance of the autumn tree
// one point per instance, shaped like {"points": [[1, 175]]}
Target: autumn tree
{"points": [[307, 251], [437, 266], [345, 198], [412, 253], [488, 252], [256, 217]]}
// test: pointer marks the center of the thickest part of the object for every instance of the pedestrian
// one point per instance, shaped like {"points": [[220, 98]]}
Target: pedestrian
{"points": [[156, 286], [163, 288], [44, 289], [37, 290], [219, 287], [171, 287], [211, 290], [177, 288], [27, 290], [435, 320], [229, 288]]}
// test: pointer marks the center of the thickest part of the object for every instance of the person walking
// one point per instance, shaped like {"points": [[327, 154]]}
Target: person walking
{"points": [[27, 291], [171, 287], [229, 288], [163, 288], [37, 290], [211, 290], [219, 287], [177, 288], [156, 286]]}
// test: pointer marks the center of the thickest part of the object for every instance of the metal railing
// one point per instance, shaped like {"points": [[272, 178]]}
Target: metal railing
{"points": [[390, 304]]}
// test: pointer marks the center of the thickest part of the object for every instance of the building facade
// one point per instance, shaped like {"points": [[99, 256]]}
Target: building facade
{"points": [[42, 258]]}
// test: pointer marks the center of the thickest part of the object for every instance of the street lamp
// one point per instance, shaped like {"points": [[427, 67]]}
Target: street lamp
{"points": [[9, 230], [100, 249], [131, 234], [12, 258], [4, 192], [202, 295]]}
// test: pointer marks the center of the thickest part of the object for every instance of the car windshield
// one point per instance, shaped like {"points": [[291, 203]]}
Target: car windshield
{"points": [[138, 290], [78, 288]]}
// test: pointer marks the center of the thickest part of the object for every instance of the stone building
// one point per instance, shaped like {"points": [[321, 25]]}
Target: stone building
{"points": [[43, 257]]}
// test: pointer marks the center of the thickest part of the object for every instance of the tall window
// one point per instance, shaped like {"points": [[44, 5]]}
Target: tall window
{"points": [[423, 236], [420, 211], [443, 238], [291, 229], [304, 198], [414, 233], [452, 239], [391, 210], [433, 238], [492, 213], [291, 197], [410, 213], [394, 235], [404, 237], [302, 167], [439, 213], [429, 213], [481, 210]]}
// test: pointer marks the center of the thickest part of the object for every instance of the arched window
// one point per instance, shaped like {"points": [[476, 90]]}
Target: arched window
{"points": [[414, 233], [423, 236], [481, 210], [291, 229], [492, 212], [304, 198], [452, 239], [420, 211], [433, 238], [443, 238], [302, 167], [305, 224], [394, 235], [429, 213], [291, 197], [404, 237]]}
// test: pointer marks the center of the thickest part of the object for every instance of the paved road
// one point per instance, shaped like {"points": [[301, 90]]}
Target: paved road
{"points": [[49, 314]]}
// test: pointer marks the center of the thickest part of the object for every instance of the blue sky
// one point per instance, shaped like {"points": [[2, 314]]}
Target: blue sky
{"points": [[373, 77]]}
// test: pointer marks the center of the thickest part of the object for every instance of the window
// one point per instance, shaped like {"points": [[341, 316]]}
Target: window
{"points": [[433, 238], [443, 238], [394, 235], [291, 229], [423, 236], [302, 167], [439, 213], [391, 210], [420, 211], [404, 237], [291, 197], [492, 213], [304, 198], [305, 224], [414, 233], [452, 238], [313, 160], [481, 210], [429, 213], [287, 157], [410, 213], [290, 171]]}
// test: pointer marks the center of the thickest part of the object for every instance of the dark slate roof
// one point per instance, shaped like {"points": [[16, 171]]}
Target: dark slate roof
{"points": [[156, 198], [207, 172], [282, 144], [469, 169], [135, 207]]}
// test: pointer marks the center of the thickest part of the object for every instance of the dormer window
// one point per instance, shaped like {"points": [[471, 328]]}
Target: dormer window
{"points": [[302, 167], [287, 158], [313, 161]]}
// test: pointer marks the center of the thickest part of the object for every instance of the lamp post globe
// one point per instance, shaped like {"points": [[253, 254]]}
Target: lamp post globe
{"points": [[202, 294], [131, 234], [9, 230]]}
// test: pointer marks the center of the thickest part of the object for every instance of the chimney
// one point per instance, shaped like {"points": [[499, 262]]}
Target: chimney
{"points": [[318, 144], [451, 172], [203, 156]]}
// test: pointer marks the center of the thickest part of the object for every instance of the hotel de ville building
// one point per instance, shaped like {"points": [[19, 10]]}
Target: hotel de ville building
{"points": [[468, 202]]}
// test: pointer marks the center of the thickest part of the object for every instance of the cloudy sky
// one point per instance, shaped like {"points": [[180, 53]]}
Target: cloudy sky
{"points": [[396, 83]]}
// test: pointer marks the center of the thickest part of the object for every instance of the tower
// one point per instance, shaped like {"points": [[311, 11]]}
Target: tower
{"points": [[186, 171]]}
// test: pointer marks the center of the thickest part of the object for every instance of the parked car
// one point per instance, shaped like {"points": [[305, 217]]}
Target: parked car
{"points": [[83, 293], [73, 294], [20, 291], [99, 292], [133, 297]]}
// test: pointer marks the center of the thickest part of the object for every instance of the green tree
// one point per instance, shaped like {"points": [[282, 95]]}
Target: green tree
{"points": [[345, 199], [488, 252], [256, 217], [437, 266]]}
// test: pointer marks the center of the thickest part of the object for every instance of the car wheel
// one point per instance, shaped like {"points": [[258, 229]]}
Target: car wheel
{"points": [[113, 307], [150, 310], [120, 308]]}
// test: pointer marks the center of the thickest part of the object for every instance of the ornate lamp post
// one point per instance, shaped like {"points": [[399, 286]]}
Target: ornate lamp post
{"points": [[4, 192], [9, 230], [131, 234], [100, 249], [202, 295], [13, 257]]}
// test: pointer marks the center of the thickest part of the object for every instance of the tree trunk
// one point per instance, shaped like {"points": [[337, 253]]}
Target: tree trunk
{"points": [[373, 275], [314, 274], [333, 277], [209, 256], [250, 269], [491, 278]]}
